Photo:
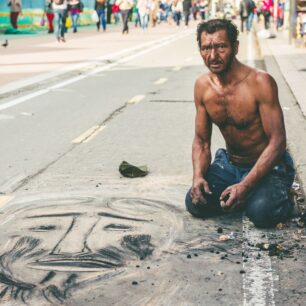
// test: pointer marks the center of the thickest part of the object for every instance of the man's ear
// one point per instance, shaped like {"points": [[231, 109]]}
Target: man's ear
{"points": [[236, 47]]}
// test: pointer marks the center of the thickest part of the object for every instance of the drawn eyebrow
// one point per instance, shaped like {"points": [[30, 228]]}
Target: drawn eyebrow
{"points": [[72, 214], [104, 214]]}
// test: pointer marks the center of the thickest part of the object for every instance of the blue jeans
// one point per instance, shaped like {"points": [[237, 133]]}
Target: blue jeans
{"points": [[74, 19], [267, 205], [60, 17], [177, 17], [144, 19], [250, 21], [102, 20]]}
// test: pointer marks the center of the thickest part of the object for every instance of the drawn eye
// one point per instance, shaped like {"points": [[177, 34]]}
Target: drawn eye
{"points": [[43, 228], [117, 227]]}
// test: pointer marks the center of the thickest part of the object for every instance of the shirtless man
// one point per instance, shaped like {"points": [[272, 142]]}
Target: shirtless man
{"points": [[255, 171]]}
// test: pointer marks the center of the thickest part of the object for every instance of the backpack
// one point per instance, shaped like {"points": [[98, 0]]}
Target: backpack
{"points": [[59, 2]]}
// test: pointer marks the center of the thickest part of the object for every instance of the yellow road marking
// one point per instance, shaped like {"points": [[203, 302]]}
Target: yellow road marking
{"points": [[161, 81], [136, 99], [89, 134], [177, 68], [4, 200]]}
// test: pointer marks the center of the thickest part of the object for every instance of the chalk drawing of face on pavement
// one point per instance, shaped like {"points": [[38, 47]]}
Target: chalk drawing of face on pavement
{"points": [[52, 247]]}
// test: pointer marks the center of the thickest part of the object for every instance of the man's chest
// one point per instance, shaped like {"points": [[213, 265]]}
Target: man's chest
{"points": [[236, 108]]}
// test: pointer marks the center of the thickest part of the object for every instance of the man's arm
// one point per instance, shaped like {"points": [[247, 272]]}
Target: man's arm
{"points": [[201, 155], [271, 116]]}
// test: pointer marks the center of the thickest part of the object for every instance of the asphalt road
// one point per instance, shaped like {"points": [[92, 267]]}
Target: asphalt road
{"points": [[74, 231]]}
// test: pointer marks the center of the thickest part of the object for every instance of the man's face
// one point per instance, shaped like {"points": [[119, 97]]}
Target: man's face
{"points": [[52, 246], [217, 52]]}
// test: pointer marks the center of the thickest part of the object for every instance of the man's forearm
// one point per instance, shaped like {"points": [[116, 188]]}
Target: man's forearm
{"points": [[201, 158], [269, 157]]}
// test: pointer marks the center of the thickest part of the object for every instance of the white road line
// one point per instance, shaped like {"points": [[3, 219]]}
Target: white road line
{"points": [[110, 56], [89, 134], [136, 99], [160, 81], [258, 287], [177, 68], [188, 59], [258, 282], [4, 200], [155, 45]]}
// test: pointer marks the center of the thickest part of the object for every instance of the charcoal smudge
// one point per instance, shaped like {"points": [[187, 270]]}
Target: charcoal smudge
{"points": [[139, 244], [48, 277]]}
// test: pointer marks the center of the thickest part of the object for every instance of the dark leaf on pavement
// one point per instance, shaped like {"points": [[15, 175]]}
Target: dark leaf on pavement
{"points": [[132, 171]]}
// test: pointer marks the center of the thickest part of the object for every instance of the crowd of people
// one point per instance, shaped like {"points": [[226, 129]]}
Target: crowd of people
{"points": [[62, 14]]}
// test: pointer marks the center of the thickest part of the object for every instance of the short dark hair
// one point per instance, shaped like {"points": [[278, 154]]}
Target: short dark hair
{"points": [[214, 25]]}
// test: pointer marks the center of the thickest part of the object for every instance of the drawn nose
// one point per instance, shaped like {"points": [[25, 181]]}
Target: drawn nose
{"points": [[75, 238]]}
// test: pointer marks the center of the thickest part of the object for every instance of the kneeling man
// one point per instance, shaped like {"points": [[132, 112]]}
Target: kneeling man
{"points": [[255, 171]]}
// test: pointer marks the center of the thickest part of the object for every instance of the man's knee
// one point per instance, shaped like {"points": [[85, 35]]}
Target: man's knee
{"points": [[265, 214], [192, 208], [202, 210]]}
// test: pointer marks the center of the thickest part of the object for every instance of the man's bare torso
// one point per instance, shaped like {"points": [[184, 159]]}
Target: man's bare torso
{"points": [[235, 110]]}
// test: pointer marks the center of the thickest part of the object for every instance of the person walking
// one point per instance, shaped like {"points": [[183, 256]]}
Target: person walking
{"points": [[251, 8], [100, 6], [187, 5], [75, 7], [153, 12], [143, 12], [50, 15], [203, 4], [15, 11], [116, 12], [254, 172], [243, 14], [177, 8], [267, 9], [125, 9], [60, 8]]}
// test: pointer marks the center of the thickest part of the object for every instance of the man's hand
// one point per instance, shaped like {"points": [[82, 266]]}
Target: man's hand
{"points": [[233, 196], [199, 187]]}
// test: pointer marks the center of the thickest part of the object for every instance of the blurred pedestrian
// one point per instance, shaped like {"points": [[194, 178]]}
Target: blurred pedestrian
{"points": [[108, 6], [186, 10], [154, 12], [125, 9], [75, 7], [195, 9], [266, 10], [143, 11], [280, 15], [60, 8], [243, 12], [177, 8], [203, 5], [100, 6], [116, 12], [49, 14], [251, 8], [15, 11]]}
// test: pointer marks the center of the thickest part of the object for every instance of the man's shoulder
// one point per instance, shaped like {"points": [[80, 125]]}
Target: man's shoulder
{"points": [[263, 78], [203, 80], [259, 77]]}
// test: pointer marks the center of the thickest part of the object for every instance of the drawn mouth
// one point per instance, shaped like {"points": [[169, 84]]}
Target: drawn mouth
{"points": [[76, 262]]}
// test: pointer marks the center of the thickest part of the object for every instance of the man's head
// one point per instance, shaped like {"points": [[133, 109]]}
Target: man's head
{"points": [[217, 39]]}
